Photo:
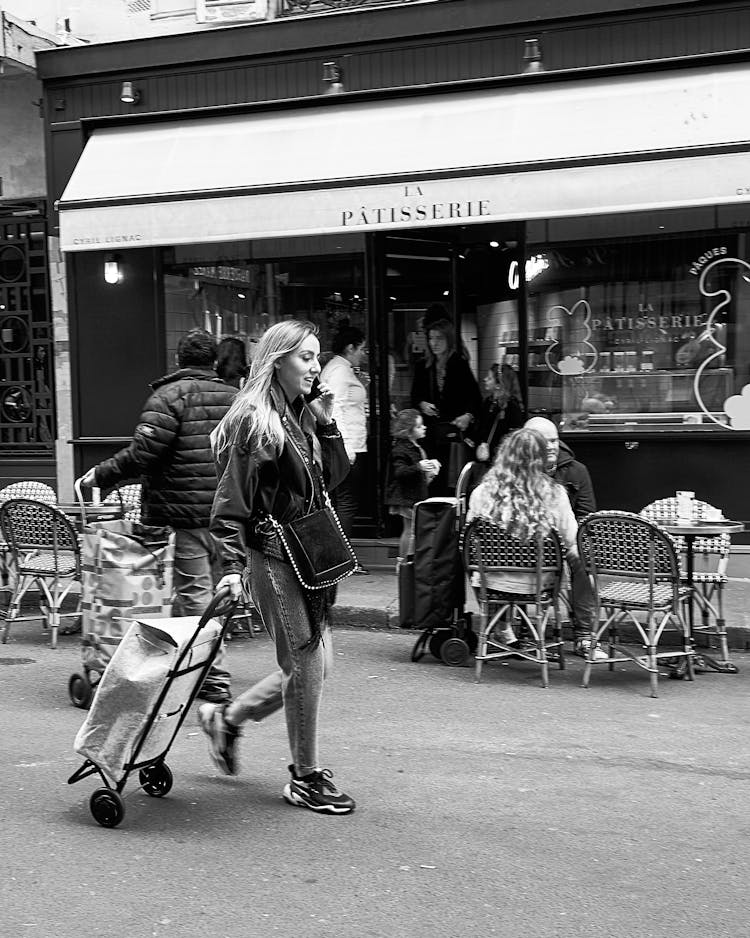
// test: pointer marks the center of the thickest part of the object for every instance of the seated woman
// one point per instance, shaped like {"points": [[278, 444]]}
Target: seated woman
{"points": [[519, 496]]}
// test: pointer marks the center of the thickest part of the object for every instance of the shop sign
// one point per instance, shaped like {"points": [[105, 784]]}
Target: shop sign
{"points": [[412, 209], [223, 11]]}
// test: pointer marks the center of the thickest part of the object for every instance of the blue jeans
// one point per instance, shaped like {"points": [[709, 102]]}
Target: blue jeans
{"points": [[196, 571], [298, 684]]}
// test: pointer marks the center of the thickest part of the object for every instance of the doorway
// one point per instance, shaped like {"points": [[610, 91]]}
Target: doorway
{"points": [[471, 273]]}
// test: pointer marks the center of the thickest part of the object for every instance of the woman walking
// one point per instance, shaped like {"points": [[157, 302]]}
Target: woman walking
{"points": [[275, 454]]}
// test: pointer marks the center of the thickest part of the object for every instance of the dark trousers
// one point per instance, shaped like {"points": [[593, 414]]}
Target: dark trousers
{"points": [[346, 496]]}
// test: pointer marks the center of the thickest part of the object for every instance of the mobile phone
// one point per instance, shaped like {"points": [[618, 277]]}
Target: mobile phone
{"points": [[314, 391]]}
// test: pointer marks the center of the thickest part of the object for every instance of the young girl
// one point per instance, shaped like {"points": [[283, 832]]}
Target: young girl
{"points": [[409, 473]]}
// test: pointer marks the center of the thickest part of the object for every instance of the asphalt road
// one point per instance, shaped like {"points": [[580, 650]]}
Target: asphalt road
{"points": [[492, 809]]}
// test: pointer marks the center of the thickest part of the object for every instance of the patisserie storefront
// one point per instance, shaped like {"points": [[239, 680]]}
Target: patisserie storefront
{"points": [[591, 233]]}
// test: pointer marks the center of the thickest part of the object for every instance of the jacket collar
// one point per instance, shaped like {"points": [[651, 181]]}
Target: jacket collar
{"points": [[190, 372]]}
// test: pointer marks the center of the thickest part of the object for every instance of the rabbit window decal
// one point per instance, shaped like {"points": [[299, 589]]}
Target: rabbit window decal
{"points": [[578, 355]]}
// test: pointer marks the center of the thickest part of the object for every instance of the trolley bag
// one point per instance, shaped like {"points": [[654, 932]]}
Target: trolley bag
{"points": [[141, 702], [126, 573], [439, 582], [406, 593], [438, 570]]}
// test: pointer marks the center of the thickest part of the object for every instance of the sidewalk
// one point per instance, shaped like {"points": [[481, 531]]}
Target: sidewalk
{"points": [[372, 602]]}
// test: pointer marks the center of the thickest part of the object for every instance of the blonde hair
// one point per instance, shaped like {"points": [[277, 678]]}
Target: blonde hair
{"points": [[252, 408], [517, 494]]}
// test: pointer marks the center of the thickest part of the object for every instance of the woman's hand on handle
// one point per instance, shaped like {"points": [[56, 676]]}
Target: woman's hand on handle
{"points": [[232, 582], [89, 479]]}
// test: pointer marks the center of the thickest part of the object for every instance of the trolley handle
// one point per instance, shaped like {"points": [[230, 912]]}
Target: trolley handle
{"points": [[218, 606]]}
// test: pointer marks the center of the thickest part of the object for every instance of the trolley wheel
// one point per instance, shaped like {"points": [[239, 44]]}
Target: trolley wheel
{"points": [[438, 639], [454, 652], [156, 780], [107, 807], [80, 690]]}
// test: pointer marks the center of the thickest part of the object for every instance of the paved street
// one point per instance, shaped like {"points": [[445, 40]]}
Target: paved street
{"points": [[498, 809]]}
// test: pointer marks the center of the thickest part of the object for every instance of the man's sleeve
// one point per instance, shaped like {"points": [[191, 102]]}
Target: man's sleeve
{"points": [[153, 440], [586, 501]]}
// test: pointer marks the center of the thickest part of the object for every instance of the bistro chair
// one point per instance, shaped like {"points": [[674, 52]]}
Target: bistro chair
{"points": [[492, 557], [128, 497], [712, 553], [27, 489], [635, 570], [44, 547]]}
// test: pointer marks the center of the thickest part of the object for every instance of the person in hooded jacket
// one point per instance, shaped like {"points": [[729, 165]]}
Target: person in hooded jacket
{"points": [[565, 468], [171, 456]]}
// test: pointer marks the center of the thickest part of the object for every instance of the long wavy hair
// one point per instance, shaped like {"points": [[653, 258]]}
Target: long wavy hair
{"points": [[252, 408], [445, 328], [517, 494]]}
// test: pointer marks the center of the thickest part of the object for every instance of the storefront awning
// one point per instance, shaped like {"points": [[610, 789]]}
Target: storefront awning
{"points": [[565, 148]]}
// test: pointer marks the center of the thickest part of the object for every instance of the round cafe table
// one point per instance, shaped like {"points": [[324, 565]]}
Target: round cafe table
{"points": [[690, 530]]}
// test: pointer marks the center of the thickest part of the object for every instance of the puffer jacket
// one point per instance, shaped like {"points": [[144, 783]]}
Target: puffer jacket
{"points": [[171, 451]]}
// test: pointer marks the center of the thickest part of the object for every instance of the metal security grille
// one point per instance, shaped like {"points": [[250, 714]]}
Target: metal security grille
{"points": [[27, 421]]}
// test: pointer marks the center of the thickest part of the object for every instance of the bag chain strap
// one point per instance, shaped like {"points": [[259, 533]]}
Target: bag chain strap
{"points": [[279, 528]]}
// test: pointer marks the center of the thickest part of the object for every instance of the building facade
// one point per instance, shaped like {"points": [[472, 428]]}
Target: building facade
{"points": [[571, 188]]}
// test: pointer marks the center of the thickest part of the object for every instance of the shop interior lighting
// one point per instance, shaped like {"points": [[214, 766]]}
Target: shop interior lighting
{"points": [[129, 94], [333, 76], [112, 269], [532, 56]]}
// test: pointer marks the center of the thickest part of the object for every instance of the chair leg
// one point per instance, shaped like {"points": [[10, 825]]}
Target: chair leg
{"points": [[721, 624], [25, 582], [481, 646]]}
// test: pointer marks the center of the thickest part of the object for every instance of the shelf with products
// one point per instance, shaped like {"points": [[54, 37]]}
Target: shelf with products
{"points": [[646, 397]]}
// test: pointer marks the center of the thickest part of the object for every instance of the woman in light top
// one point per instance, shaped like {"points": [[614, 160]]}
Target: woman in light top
{"points": [[520, 497]]}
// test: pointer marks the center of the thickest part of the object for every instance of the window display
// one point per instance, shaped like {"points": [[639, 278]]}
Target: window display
{"points": [[645, 332]]}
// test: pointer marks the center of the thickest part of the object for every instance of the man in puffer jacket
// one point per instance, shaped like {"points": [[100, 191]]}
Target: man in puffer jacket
{"points": [[171, 456]]}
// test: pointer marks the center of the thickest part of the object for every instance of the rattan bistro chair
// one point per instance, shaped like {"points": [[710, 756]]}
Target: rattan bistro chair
{"points": [[636, 573], [711, 557], [128, 497], [489, 553], [44, 547], [26, 489]]}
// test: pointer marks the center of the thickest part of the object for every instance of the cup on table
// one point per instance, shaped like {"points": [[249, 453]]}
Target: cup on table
{"points": [[685, 506]]}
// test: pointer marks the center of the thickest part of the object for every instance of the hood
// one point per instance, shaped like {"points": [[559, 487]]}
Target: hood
{"points": [[191, 372], [565, 455]]}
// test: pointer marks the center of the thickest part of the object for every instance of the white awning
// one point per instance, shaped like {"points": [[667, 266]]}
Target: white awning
{"points": [[573, 147]]}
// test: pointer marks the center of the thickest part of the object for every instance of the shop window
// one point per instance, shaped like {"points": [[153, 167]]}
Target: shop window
{"points": [[645, 333]]}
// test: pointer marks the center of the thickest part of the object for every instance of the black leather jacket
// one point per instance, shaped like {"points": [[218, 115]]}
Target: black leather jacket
{"points": [[255, 482]]}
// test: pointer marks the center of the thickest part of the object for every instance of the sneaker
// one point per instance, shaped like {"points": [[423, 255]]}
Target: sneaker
{"points": [[317, 792], [582, 649], [222, 736]]}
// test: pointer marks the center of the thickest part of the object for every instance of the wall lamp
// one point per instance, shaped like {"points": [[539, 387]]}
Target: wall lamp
{"points": [[333, 76], [129, 94], [112, 268], [532, 56]]}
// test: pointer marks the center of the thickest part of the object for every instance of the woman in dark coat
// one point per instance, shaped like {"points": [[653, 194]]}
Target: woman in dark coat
{"points": [[446, 393]]}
